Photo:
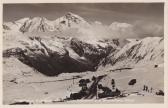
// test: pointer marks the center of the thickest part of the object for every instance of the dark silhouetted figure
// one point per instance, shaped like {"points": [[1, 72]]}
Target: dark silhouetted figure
{"points": [[144, 87], [147, 89], [156, 66], [151, 90], [113, 83]]}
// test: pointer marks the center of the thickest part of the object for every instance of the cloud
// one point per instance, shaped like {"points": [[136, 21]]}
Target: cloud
{"points": [[122, 30], [143, 29], [98, 22], [115, 30], [139, 29], [97, 31]]}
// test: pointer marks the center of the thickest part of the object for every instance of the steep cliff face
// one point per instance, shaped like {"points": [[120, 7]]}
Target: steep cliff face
{"points": [[52, 57], [93, 52]]}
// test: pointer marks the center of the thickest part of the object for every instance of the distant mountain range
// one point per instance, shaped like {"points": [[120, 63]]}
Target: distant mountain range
{"points": [[56, 52], [41, 24]]}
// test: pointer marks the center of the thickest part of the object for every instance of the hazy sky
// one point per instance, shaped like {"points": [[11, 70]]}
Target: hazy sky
{"points": [[103, 12]]}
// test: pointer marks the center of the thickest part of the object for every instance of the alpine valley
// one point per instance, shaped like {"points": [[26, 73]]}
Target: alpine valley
{"points": [[44, 61]]}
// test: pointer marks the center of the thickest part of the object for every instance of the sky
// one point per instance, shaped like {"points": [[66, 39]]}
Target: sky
{"points": [[147, 19], [103, 12]]}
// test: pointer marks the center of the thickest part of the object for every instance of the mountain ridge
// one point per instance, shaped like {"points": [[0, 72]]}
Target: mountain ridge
{"points": [[89, 49], [42, 24], [139, 52]]}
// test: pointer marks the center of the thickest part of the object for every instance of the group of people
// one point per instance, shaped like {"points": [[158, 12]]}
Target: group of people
{"points": [[147, 89], [151, 90]]}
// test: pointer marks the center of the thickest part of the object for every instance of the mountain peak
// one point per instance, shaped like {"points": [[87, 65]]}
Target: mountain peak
{"points": [[22, 20], [36, 18], [70, 13], [72, 16]]}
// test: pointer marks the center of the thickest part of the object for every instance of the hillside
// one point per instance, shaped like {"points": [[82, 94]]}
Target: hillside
{"points": [[139, 52]]}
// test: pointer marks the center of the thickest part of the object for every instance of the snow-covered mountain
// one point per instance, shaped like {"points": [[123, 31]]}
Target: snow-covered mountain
{"points": [[136, 52], [50, 56], [70, 49], [88, 48], [41, 24], [14, 26]]}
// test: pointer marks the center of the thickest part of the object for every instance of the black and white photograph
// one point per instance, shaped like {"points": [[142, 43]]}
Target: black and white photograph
{"points": [[83, 53]]}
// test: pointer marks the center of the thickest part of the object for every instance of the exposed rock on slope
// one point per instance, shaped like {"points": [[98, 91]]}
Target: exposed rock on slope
{"points": [[14, 26], [93, 53], [54, 53], [52, 57], [149, 49]]}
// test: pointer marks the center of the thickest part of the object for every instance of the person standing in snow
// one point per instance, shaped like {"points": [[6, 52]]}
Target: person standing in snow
{"points": [[113, 84]]}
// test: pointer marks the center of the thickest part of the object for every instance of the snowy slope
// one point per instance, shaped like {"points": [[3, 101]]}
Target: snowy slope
{"points": [[149, 49], [14, 26]]}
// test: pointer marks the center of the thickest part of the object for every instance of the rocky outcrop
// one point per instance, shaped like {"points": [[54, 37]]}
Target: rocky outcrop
{"points": [[5, 27], [92, 53]]}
